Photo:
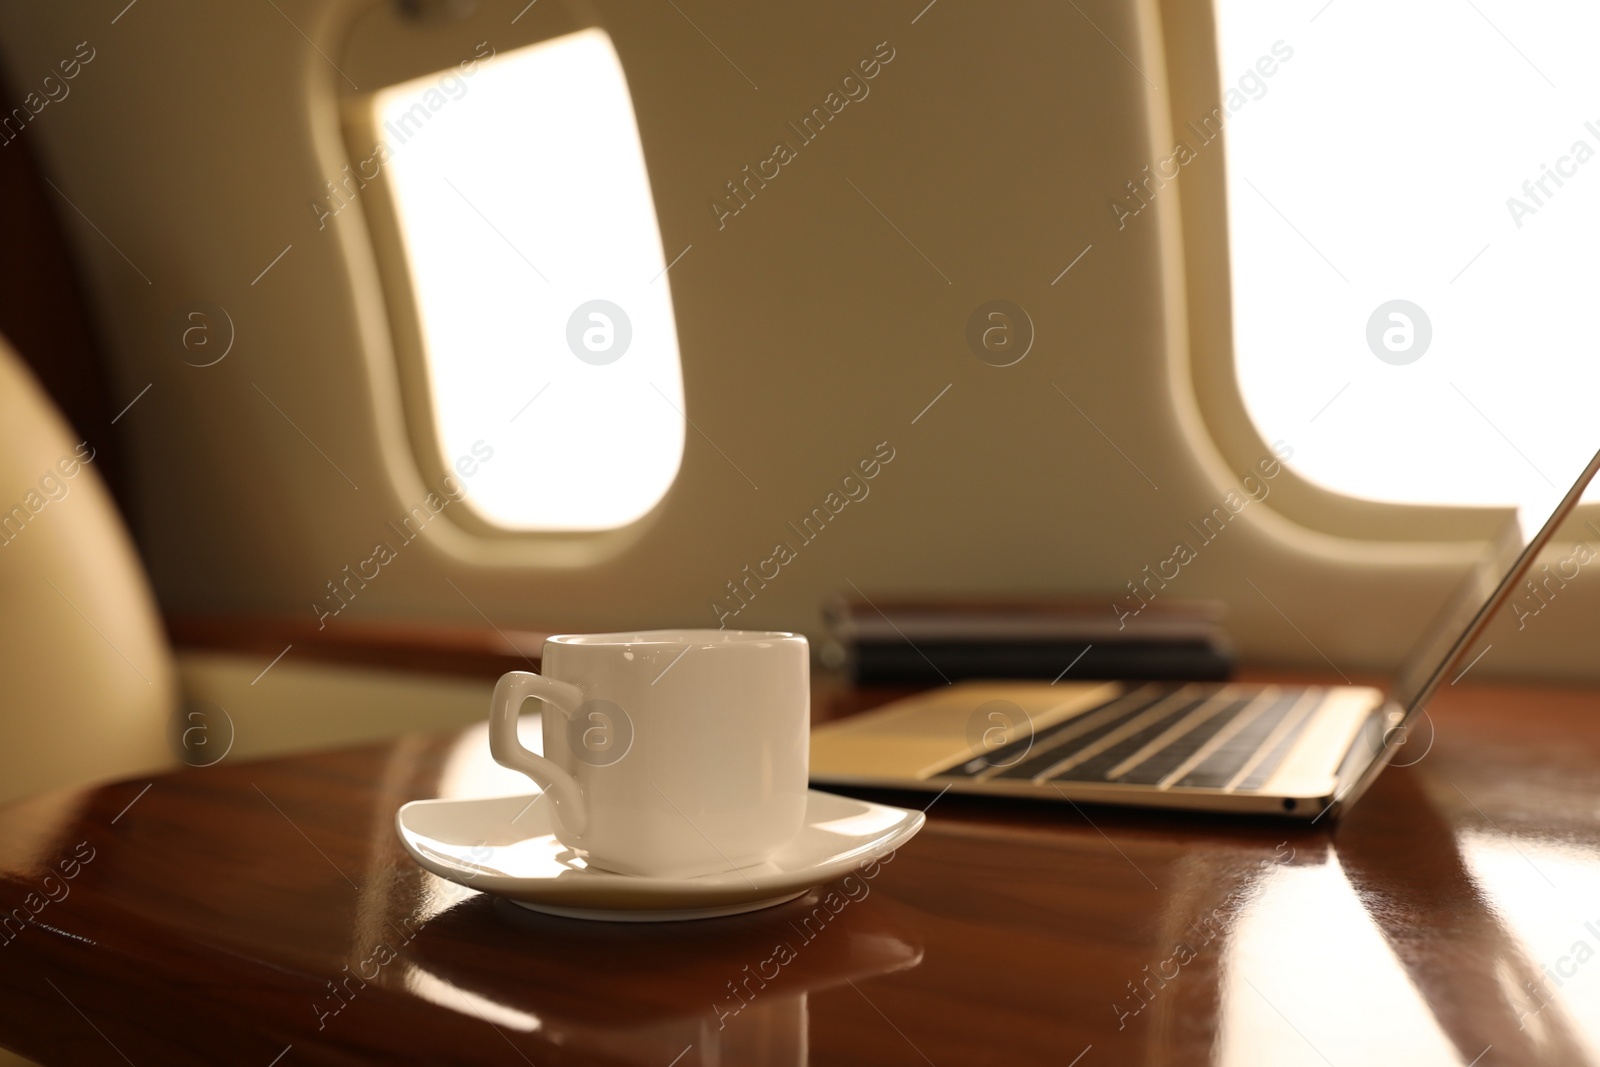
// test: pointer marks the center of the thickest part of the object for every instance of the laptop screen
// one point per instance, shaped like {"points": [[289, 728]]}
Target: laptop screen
{"points": [[1493, 580]]}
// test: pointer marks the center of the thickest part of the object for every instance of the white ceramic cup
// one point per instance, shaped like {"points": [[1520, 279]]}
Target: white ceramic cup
{"points": [[667, 753]]}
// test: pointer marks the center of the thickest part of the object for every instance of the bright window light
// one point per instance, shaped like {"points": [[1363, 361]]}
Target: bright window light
{"points": [[546, 317], [1413, 193]]}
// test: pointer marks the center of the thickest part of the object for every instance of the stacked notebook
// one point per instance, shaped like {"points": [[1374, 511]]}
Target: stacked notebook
{"points": [[891, 642]]}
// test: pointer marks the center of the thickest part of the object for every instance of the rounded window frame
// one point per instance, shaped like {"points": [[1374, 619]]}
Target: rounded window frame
{"points": [[385, 45], [1203, 364]]}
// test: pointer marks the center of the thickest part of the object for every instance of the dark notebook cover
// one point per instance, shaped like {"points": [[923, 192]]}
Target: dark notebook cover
{"points": [[890, 663]]}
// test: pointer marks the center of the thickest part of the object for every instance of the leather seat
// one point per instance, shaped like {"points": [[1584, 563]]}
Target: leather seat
{"points": [[90, 682]]}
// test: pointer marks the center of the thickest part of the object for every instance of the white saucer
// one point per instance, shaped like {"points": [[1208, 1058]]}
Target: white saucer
{"points": [[505, 846]]}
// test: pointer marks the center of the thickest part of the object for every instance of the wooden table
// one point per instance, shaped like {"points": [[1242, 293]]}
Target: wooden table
{"points": [[261, 913]]}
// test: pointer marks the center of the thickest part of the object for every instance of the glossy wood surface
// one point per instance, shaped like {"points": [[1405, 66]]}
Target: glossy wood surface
{"points": [[463, 651], [1452, 918]]}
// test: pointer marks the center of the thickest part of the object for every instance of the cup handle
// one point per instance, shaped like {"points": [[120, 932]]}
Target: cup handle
{"points": [[509, 693]]}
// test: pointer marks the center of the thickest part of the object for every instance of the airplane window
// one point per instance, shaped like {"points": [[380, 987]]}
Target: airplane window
{"points": [[541, 285], [1412, 189]]}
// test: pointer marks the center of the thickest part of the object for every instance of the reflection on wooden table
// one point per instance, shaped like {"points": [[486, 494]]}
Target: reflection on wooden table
{"points": [[230, 912]]}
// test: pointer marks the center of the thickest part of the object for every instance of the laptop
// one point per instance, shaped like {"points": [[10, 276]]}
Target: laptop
{"points": [[1297, 751]]}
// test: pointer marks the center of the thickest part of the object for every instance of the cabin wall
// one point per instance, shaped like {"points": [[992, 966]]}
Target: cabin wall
{"points": [[815, 333]]}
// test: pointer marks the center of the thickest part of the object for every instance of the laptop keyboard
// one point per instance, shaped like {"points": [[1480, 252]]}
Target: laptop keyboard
{"points": [[1206, 737]]}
